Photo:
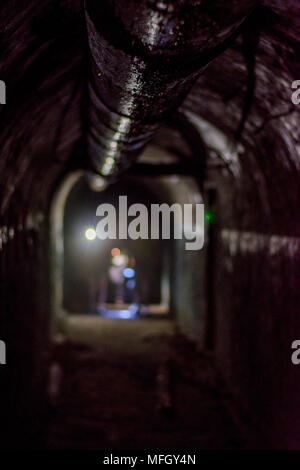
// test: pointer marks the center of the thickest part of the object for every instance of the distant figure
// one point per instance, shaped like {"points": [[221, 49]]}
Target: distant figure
{"points": [[117, 279]]}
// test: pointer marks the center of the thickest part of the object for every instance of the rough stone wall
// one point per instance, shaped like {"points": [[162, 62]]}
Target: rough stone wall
{"points": [[40, 61], [258, 246], [246, 93]]}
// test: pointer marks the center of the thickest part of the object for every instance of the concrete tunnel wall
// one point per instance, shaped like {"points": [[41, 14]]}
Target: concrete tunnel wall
{"points": [[257, 269], [186, 268], [245, 94]]}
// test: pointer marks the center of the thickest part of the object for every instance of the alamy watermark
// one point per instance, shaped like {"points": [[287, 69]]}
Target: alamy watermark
{"points": [[296, 354], [133, 222], [296, 93], [2, 344], [2, 92], [2, 353]]}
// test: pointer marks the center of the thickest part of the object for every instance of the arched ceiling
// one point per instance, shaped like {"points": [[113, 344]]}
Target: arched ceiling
{"points": [[246, 92]]}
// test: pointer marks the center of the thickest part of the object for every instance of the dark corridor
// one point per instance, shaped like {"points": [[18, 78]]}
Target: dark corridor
{"points": [[111, 338]]}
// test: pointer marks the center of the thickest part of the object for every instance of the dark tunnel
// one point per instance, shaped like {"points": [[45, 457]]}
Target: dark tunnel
{"points": [[167, 102]]}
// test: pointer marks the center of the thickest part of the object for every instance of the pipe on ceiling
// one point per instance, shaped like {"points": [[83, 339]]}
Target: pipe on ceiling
{"points": [[145, 55]]}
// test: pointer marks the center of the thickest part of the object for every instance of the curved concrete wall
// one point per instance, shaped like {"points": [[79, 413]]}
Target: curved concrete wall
{"points": [[246, 93]]}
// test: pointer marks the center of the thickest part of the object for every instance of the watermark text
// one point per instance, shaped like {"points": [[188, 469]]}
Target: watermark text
{"points": [[2, 353], [178, 221]]}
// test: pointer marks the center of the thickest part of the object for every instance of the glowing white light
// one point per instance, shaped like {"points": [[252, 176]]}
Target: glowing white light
{"points": [[114, 145], [124, 124], [108, 165], [97, 183], [109, 160], [119, 260], [90, 234]]}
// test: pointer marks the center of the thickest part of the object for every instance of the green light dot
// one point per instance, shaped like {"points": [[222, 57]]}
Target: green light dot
{"points": [[209, 216]]}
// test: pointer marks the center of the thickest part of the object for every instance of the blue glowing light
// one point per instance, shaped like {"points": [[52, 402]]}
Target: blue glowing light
{"points": [[129, 273], [130, 284]]}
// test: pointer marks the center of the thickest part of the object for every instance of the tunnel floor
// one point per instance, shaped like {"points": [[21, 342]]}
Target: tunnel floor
{"points": [[136, 384]]}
